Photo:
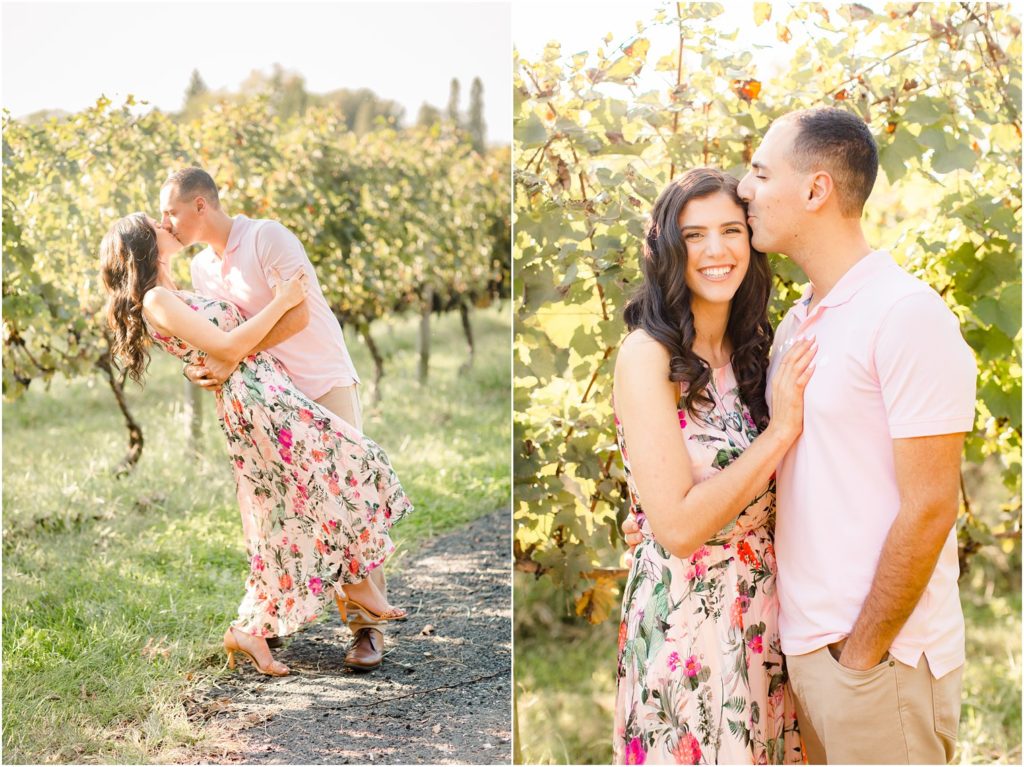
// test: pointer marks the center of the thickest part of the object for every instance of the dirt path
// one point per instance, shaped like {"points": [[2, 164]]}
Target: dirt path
{"points": [[443, 694]]}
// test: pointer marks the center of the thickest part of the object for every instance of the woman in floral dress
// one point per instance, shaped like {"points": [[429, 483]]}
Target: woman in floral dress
{"points": [[701, 678], [317, 497]]}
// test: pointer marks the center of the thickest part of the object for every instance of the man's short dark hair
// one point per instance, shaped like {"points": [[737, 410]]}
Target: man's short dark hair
{"points": [[839, 142], [190, 183]]}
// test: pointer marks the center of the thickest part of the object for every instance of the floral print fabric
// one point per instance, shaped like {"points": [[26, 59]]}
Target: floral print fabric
{"points": [[317, 497], [700, 675]]}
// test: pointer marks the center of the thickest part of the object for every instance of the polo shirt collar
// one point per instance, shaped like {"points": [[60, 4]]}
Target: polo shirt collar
{"points": [[856, 277], [235, 235]]}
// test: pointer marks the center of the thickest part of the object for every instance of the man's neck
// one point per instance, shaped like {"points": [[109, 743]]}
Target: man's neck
{"points": [[218, 231], [829, 258]]}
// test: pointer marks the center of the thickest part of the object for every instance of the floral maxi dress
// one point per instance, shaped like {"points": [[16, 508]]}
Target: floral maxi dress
{"points": [[317, 497], [700, 675]]}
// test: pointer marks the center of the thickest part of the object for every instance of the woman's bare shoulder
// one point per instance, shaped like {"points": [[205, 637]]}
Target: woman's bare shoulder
{"points": [[641, 348], [158, 296], [642, 362]]}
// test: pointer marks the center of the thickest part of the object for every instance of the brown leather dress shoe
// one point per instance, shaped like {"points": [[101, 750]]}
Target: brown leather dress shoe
{"points": [[366, 651]]}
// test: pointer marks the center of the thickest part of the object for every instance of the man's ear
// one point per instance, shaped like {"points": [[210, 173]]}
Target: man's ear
{"points": [[819, 190], [200, 203]]}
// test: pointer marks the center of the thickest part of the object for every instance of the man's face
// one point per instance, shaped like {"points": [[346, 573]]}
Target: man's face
{"points": [[775, 192], [166, 244], [181, 218]]}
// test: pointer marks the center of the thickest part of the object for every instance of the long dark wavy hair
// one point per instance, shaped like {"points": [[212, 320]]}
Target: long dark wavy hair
{"points": [[662, 304], [128, 264]]}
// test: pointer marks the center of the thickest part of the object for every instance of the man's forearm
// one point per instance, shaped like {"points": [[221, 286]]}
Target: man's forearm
{"points": [[908, 560], [291, 322], [214, 371]]}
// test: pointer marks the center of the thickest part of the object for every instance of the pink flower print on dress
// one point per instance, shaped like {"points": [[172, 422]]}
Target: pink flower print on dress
{"points": [[755, 644], [315, 585], [698, 570], [687, 750], [693, 666], [256, 563], [635, 753], [306, 416], [769, 559], [284, 437], [739, 607], [747, 555], [673, 660], [736, 615]]}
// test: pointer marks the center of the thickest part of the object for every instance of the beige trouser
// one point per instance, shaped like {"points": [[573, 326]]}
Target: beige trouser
{"points": [[343, 401], [889, 714]]}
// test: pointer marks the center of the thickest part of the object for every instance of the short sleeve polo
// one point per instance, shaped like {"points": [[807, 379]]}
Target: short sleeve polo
{"points": [[316, 357], [925, 370], [891, 364]]}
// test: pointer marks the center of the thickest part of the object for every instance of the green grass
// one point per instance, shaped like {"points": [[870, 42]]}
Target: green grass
{"points": [[116, 592], [990, 720], [565, 678], [565, 675]]}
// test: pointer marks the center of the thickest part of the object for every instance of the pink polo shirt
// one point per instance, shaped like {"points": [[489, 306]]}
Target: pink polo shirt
{"points": [[891, 364], [316, 357]]}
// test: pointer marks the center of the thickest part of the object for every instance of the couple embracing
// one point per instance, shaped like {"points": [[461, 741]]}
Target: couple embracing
{"points": [[793, 591], [317, 497]]}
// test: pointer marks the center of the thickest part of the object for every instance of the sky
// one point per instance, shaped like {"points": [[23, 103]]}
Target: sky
{"points": [[65, 55]]}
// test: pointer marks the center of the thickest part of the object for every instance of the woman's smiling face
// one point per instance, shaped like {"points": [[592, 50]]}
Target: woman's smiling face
{"points": [[714, 229]]}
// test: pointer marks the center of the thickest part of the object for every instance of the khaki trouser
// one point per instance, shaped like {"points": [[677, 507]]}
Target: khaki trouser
{"points": [[343, 401], [889, 714]]}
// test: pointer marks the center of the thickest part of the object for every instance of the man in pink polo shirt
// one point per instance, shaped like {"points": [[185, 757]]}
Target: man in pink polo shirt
{"points": [[868, 496], [242, 260]]}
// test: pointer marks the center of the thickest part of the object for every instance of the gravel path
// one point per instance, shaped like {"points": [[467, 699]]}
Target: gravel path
{"points": [[443, 694]]}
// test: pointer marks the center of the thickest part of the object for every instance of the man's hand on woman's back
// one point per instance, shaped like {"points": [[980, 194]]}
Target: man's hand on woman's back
{"points": [[631, 532]]}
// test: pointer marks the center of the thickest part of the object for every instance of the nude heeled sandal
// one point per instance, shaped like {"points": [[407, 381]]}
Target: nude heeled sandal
{"points": [[231, 646], [358, 608]]}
